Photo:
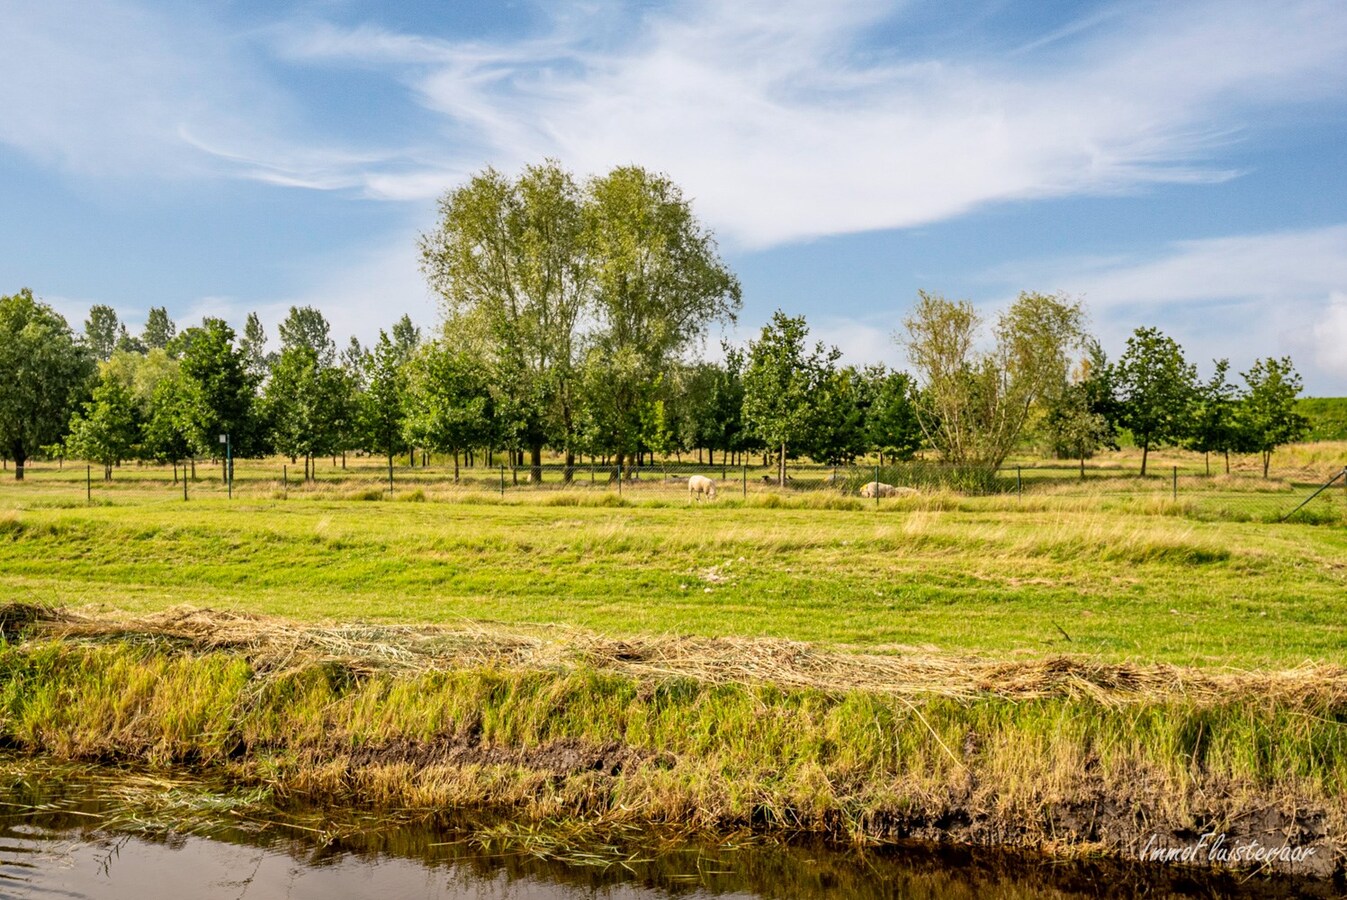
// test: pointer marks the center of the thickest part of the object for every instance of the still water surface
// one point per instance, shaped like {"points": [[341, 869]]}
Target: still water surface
{"points": [[67, 833]]}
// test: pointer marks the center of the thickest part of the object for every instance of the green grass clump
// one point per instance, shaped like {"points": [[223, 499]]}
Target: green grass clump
{"points": [[583, 743]]}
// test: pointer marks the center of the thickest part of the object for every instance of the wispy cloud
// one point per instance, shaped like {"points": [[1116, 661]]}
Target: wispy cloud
{"points": [[1242, 297], [784, 126], [782, 119]]}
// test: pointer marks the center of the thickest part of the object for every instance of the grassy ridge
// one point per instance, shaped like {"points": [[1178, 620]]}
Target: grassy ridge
{"points": [[1327, 415], [1059, 771], [1019, 578]]}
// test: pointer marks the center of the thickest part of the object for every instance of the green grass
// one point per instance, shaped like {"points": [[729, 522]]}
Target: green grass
{"points": [[1125, 579], [1327, 415], [586, 744]]}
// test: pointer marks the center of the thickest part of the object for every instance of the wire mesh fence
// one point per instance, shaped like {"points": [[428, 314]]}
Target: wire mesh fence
{"points": [[1308, 496]]}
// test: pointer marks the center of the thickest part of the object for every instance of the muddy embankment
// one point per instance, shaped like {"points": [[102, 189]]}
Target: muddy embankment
{"points": [[1065, 755]]}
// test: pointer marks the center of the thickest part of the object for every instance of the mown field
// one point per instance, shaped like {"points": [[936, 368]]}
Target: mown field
{"points": [[1120, 574]]}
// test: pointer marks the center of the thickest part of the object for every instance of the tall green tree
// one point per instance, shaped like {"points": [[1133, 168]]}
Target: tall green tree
{"points": [[1213, 424], [383, 403], [1154, 387], [159, 329], [508, 259], [448, 405], [219, 392], [306, 327], [108, 429], [44, 374], [659, 285], [892, 426], [781, 383], [253, 345], [1267, 416], [101, 330]]}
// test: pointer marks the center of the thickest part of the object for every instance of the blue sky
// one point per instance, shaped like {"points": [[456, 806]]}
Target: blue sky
{"points": [[1173, 164]]}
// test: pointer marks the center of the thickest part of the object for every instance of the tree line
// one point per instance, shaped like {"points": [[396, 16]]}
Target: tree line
{"points": [[574, 314]]}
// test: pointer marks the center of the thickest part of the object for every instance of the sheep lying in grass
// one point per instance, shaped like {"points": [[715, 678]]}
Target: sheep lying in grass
{"points": [[880, 489], [699, 485]]}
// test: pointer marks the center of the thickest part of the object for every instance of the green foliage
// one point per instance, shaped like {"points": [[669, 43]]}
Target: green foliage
{"points": [[217, 393], [782, 384], [101, 330], [448, 404], [383, 404], [1214, 425], [1267, 416], [892, 425], [108, 430], [508, 259], [44, 373], [159, 329], [1155, 388], [1327, 417], [974, 404]]}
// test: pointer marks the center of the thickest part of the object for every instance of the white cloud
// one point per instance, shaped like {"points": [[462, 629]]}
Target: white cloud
{"points": [[781, 119], [1330, 337], [1241, 297], [782, 128]]}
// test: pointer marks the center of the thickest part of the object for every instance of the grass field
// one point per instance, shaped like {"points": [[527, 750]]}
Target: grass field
{"points": [[1119, 574]]}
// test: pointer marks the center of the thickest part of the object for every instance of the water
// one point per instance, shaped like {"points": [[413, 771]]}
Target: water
{"points": [[68, 833]]}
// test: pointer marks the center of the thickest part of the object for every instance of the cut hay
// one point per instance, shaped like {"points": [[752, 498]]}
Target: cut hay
{"points": [[276, 646]]}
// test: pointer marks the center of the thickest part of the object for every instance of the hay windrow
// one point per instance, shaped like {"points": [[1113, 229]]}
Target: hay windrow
{"points": [[275, 646]]}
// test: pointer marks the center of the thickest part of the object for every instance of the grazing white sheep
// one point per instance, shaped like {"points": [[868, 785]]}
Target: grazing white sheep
{"points": [[699, 485], [880, 489]]}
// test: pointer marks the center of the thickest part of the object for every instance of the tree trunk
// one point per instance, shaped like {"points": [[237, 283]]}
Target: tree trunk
{"points": [[781, 480], [1145, 451], [1206, 458], [1227, 462], [1082, 467], [569, 474], [536, 462], [455, 467], [1267, 461], [193, 468]]}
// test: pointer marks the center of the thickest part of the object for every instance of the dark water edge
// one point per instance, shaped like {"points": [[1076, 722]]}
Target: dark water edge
{"points": [[76, 832]]}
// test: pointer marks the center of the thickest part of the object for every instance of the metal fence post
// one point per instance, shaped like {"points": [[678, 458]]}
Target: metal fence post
{"points": [[502, 479], [1176, 484], [184, 485], [745, 481], [876, 487]]}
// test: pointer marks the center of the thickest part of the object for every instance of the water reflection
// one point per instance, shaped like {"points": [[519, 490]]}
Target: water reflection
{"points": [[100, 834]]}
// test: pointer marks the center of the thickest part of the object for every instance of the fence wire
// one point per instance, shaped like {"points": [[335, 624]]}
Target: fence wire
{"points": [[1315, 497]]}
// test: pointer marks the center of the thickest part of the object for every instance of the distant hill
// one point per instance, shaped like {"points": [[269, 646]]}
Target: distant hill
{"points": [[1327, 415]]}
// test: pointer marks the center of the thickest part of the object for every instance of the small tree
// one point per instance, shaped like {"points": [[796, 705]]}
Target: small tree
{"points": [[781, 384], [1214, 424], [448, 406], [383, 403], [107, 431], [159, 329], [1267, 416], [976, 404], [892, 426], [44, 373], [101, 330], [1154, 387]]}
